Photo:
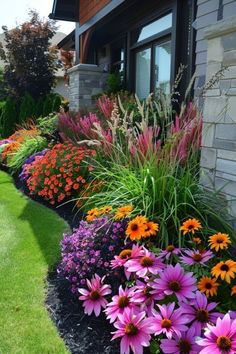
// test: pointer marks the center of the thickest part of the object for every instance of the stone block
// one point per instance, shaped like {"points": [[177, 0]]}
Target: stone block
{"points": [[226, 166], [213, 92], [226, 176], [226, 154], [201, 58], [231, 111], [208, 158], [206, 7], [226, 131], [215, 50], [231, 92], [212, 68], [225, 186], [230, 73], [229, 9], [204, 20], [232, 210], [233, 83], [207, 178], [224, 144], [229, 41], [214, 109], [224, 86], [208, 135], [201, 46], [229, 58]]}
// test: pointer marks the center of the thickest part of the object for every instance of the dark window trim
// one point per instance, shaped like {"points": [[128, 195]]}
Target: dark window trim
{"points": [[152, 38]]}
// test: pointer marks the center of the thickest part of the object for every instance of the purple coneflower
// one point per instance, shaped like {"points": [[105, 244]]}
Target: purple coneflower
{"points": [[167, 253], [200, 312], [169, 321], [221, 338], [94, 297], [174, 280], [144, 297], [135, 331], [192, 257], [148, 263], [181, 344], [119, 303]]}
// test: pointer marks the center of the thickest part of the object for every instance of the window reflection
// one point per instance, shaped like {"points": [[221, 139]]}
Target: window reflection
{"points": [[163, 66], [143, 73]]}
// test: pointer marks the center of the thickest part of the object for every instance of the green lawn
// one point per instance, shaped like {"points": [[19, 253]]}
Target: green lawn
{"points": [[29, 246]]}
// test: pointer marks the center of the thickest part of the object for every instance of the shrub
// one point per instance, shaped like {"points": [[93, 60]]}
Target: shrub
{"points": [[90, 248], [60, 173], [9, 117], [56, 103], [47, 125], [27, 108]]}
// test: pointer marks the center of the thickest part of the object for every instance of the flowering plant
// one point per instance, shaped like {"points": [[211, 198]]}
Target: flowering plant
{"points": [[59, 173]]}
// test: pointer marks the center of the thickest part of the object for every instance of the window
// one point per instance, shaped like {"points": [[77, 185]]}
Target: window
{"points": [[118, 57], [152, 56]]}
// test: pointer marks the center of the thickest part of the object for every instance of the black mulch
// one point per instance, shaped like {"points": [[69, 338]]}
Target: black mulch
{"points": [[82, 334]]}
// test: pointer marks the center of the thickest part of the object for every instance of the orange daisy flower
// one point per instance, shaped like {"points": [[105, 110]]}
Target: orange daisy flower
{"points": [[190, 225], [151, 229], [106, 209], [225, 270], [219, 241], [197, 240], [92, 214], [233, 290], [209, 286], [136, 228], [123, 211]]}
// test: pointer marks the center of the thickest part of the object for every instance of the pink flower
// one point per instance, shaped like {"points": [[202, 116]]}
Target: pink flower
{"points": [[119, 303], [148, 263], [174, 280], [169, 320], [169, 251], [192, 257], [199, 312], [94, 297], [135, 331], [221, 338], [181, 344], [145, 297]]}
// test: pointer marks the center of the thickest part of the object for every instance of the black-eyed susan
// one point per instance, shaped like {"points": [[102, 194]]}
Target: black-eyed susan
{"points": [[208, 285], [219, 241], [105, 210], [233, 290], [197, 240], [151, 229], [225, 270], [136, 228], [92, 214], [123, 211], [190, 226]]}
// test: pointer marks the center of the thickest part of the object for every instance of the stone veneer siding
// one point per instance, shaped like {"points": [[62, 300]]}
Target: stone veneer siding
{"points": [[208, 13], [218, 159], [86, 81]]}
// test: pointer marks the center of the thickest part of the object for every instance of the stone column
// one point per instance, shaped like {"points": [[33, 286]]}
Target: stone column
{"points": [[218, 156], [85, 81]]}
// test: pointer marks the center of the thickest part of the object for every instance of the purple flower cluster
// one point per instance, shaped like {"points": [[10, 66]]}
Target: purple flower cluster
{"points": [[89, 250], [24, 175]]}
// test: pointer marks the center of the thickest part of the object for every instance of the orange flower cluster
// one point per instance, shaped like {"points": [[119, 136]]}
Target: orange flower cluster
{"points": [[17, 139], [140, 227], [59, 173]]}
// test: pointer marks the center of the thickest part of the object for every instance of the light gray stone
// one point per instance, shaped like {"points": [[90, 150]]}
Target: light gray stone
{"points": [[228, 41], [212, 92], [208, 158], [231, 112], [226, 166], [214, 109], [208, 135], [230, 73], [221, 28], [226, 154], [212, 69], [224, 144], [229, 9], [233, 83], [209, 6], [215, 50], [226, 131], [226, 176], [231, 92], [224, 86], [229, 58], [226, 186]]}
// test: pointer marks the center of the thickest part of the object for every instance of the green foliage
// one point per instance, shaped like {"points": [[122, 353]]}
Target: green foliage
{"points": [[27, 108], [47, 125], [56, 103], [3, 86], [39, 107], [114, 83], [30, 61], [28, 147], [9, 118]]}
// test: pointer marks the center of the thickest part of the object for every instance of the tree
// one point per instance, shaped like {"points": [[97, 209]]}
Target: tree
{"points": [[30, 61], [27, 108], [3, 86], [9, 118]]}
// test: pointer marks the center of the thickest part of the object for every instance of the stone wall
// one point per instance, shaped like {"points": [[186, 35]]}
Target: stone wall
{"points": [[218, 159], [85, 81]]}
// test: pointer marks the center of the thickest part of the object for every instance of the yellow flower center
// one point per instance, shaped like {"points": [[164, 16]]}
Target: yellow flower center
{"points": [[146, 261], [174, 285], [94, 295], [125, 254], [123, 302], [224, 343], [184, 346], [202, 315], [166, 323], [131, 329]]}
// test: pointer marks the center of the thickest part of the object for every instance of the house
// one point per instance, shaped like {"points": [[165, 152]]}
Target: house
{"points": [[145, 42]]}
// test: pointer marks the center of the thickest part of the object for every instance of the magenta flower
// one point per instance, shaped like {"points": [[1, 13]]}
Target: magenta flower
{"points": [[192, 257], [94, 297], [221, 338], [169, 321], [119, 303], [199, 312], [148, 263], [181, 344], [135, 331], [144, 296], [167, 253], [174, 280]]}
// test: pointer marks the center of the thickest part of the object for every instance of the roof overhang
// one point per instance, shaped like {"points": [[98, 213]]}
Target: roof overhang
{"points": [[67, 43], [65, 10]]}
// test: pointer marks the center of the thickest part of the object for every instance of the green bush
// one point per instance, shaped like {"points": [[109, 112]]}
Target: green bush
{"points": [[56, 103], [47, 125], [27, 108], [9, 117]]}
